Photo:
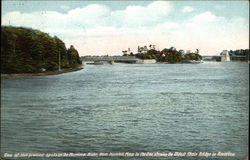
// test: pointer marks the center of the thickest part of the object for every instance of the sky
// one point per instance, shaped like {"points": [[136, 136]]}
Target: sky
{"points": [[109, 27]]}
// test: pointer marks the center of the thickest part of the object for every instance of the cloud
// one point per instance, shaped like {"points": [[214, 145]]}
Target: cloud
{"points": [[187, 9], [93, 15], [137, 16], [168, 26], [205, 17], [38, 20], [89, 16], [212, 34], [96, 28], [203, 23]]}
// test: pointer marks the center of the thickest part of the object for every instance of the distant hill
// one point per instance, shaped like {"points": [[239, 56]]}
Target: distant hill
{"points": [[25, 50]]}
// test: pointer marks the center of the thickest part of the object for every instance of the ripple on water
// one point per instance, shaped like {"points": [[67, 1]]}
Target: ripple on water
{"points": [[129, 108]]}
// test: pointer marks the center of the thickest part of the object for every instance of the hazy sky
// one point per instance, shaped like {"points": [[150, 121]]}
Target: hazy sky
{"points": [[108, 27]]}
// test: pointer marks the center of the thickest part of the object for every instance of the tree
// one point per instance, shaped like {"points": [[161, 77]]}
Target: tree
{"points": [[73, 56], [197, 51], [25, 50], [170, 55]]}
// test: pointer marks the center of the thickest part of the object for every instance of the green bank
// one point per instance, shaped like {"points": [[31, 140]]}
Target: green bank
{"points": [[30, 51]]}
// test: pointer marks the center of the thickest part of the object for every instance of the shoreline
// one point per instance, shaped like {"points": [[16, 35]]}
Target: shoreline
{"points": [[23, 75]]}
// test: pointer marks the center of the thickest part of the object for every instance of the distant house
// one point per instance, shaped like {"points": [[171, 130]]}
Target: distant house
{"points": [[145, 49], [151, 46], [142, 49], [127, 51], [124, 52], [188, 51]]}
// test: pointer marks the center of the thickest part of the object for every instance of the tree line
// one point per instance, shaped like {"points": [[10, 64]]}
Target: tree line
{"points": [[239, 55], [25, 50], [170, 55]]}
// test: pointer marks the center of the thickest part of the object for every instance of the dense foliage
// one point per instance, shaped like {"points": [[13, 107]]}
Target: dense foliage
{"points": [[170, 55], [26, 50], [239, 55]]}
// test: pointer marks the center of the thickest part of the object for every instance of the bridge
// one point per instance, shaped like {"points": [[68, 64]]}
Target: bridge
{"points": [[111, 59], [211, 58], [232, 58]]}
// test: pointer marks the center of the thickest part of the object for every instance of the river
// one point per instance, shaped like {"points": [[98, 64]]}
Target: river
{"points": [[129, 108]]}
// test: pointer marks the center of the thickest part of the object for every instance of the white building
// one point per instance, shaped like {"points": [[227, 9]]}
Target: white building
{"points": [[225, 56], [127, 51], [151, 46], [188, 51]]}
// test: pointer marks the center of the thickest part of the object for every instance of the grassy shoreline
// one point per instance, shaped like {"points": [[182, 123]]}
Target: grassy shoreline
{"points": [[3, 76]]}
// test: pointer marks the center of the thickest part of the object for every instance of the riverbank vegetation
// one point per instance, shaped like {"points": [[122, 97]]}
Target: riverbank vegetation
{"points": [[169, 55], [25, 50], [239, 55]]}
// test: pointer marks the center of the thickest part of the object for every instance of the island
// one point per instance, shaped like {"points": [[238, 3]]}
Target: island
{"points": [[167, 55]]}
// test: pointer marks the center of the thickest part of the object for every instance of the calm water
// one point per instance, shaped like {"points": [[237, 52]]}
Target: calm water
{"points": [[129, 108]]}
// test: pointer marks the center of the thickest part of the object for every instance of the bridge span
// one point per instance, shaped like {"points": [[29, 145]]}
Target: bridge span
{"points": [[111, 59]]}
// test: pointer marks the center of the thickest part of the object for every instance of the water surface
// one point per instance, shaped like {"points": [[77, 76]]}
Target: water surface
{"points": [[129, 108]]}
